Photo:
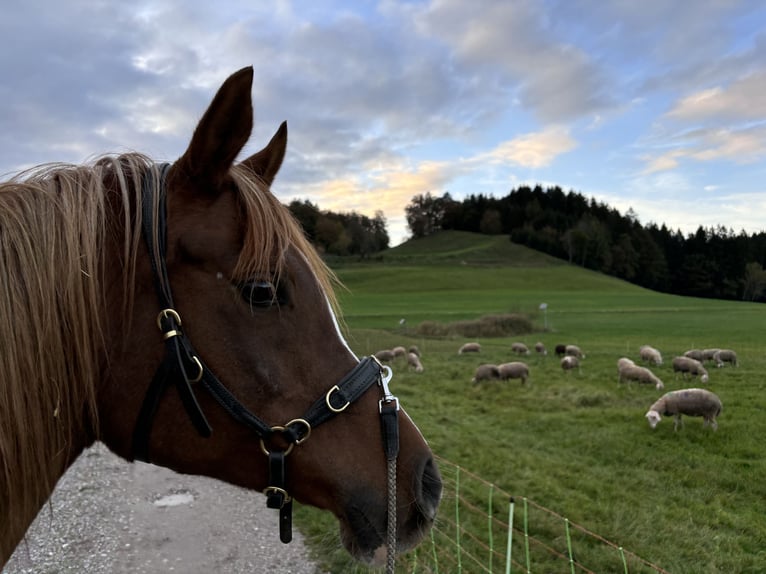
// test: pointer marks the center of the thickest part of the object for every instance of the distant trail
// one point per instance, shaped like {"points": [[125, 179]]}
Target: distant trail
{"points": [[108, 516]]}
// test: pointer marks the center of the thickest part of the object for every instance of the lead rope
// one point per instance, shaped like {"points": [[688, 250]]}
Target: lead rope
{"points": [[389, 418]]}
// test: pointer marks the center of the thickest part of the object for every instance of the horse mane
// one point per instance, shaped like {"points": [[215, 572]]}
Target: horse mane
{"points": [[56, 222]]}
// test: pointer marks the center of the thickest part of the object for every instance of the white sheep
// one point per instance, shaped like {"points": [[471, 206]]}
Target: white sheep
{"points": [[540, 348], [469, 348], [695, 354], [514, 370], [414, 349], [569, 362], [520, 348], [385, 356], [413, 361], [485, 373], [650, 355], [709, 354], [725, 356], [621, 363], [691, 366], [628, 372], [690, 402], [574, 351], [399, 351]]}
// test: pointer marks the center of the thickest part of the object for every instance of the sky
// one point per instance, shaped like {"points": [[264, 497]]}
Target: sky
{"points": [[652, 105]]}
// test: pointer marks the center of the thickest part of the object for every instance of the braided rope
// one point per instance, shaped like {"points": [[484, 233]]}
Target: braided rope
{"points": [[391, 540]]}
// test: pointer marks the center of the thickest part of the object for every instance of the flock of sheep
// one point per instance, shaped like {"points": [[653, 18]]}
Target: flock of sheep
{"points": [[691, 402], [695, 402]]}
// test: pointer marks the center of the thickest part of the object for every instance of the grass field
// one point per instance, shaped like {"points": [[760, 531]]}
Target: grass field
{"points": [[690, 501]]}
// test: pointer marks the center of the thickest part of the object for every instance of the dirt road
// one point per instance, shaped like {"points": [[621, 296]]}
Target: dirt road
{"points": [[111, 517]]}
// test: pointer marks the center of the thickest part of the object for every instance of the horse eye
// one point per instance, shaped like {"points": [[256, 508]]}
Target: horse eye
{"points": [[260, 293]]}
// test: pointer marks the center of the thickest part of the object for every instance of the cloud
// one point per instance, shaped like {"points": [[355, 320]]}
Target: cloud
{"points": [[741, 100], [534, 150]]}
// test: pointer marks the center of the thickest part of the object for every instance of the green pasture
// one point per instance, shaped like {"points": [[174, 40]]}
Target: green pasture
{"points": [[689, 501]]}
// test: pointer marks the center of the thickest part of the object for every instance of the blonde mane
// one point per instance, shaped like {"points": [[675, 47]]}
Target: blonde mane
{"points": [[56, 223]]}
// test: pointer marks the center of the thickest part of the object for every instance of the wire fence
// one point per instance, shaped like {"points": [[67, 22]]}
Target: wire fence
{"points": [[483, 529]]}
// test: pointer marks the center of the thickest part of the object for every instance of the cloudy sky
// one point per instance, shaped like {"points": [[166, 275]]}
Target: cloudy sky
{"points": [[655, 105]]}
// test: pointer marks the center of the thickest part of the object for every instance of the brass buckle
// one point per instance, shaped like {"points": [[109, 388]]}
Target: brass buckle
{"points": [[329, 404]]}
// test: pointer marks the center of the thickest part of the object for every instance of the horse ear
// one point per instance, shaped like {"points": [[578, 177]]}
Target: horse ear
{"points": [[266, 163], [222, 132]]}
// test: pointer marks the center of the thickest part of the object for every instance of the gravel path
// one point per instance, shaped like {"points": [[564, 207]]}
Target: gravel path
{"points": [[107, 516]]}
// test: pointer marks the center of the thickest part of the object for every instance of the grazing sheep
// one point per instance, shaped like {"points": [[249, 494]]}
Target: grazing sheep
{"points": [[570, 362], [691, 366], [574, 351], [709, 354], [485, 373], [413, 361], [650, 355], [520, 349], [385, 356], [514, 370], [639, 374], [414, 349], [725, 356], [561, 350], [469, 348], [624, 362], [695, 354], [399, 351], [540, 348], [690, 402]]}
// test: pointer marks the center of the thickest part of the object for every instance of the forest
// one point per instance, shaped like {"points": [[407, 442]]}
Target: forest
{"points": [[711, 262]]}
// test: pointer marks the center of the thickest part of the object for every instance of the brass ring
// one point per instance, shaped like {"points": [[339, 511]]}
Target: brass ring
{"points": [[267, 452], [164, 315], [329, 405], [201, 370], [305, 423]]}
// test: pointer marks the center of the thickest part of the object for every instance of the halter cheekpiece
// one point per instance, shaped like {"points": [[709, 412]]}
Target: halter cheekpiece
{"points": [[183, 368]]}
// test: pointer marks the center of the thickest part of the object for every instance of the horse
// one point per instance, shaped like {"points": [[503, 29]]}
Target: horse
{"points": [[178, 314]]}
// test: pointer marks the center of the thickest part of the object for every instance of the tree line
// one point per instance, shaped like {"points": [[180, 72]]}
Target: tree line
{"points": [[711, 262], [341, 233]]}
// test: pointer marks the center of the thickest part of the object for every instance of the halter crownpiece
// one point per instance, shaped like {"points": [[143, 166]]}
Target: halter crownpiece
{"points": [[183, 367]]}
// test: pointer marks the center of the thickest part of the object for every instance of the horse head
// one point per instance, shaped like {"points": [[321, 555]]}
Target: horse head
{"points": [[256, 302]]}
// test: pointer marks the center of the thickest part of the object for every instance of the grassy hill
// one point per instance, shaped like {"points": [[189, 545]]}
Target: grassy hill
{"points": [[691, 501]]}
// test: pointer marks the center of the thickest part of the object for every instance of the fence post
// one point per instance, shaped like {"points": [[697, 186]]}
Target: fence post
{"points": [[526, 535], [569, 546], [510, 538], [489, 521], [457, 520]]}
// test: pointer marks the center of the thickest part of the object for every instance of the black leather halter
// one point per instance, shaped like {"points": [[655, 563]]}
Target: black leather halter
{"points": [[184, 368]]}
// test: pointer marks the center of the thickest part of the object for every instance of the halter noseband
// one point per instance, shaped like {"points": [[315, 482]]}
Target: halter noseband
{"points": [[183, 368]]}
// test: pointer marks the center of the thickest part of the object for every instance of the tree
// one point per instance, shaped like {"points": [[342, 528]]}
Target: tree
{"points": [[424, 214], [755, 281]]}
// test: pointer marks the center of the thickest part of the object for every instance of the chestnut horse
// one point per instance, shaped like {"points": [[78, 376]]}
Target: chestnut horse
{"points": [[248, 378]]}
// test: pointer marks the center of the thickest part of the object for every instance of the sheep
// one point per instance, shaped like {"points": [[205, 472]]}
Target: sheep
{"points": [[520, 349], [514, 370], [695, 354], [485, 373], [690, 402], [725, 356], [540, 348], [414, 349], [628, 372], [570, 362], [574, 351], [469, 348], [709, 354], [561, 350], [399, 351], [686, 365], [623, 362], [650, 355], [385, 356], [413, 361]]}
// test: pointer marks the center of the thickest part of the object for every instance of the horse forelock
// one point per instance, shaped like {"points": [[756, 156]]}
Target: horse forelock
{"points": [[270, 231], [55, 224]]}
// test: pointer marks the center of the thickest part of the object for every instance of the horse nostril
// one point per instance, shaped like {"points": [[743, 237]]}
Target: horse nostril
{"points": [[430, 490]]}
